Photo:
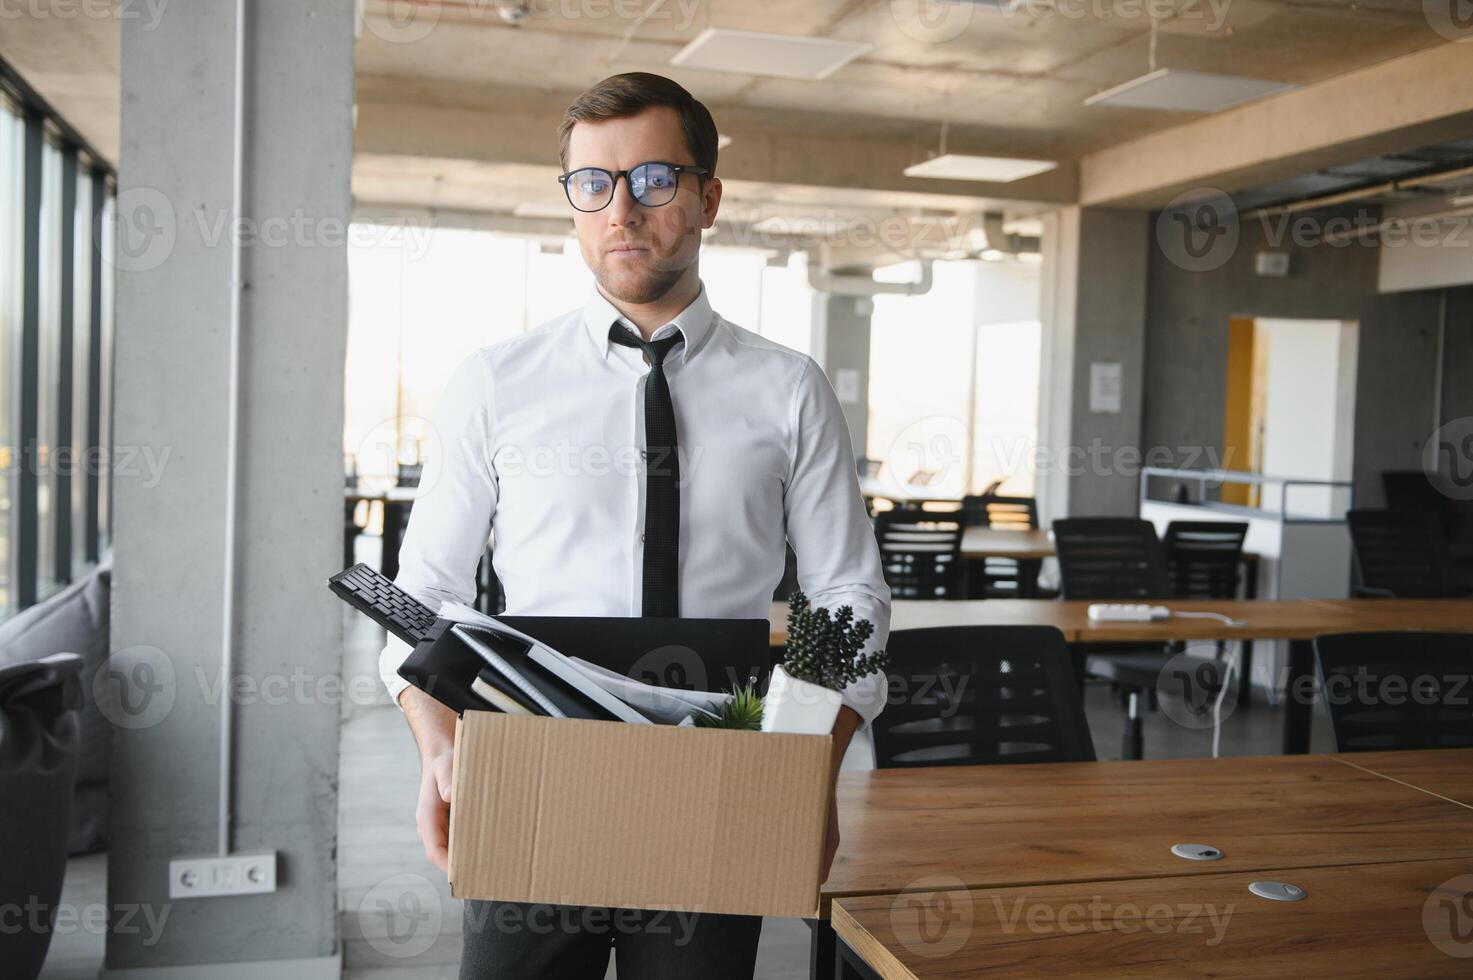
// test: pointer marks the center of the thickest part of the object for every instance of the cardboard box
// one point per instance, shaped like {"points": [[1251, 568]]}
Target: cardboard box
{"points": [[604, 813]]}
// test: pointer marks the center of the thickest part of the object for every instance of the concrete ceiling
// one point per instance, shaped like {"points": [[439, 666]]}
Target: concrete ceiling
{"points": [[457, 106]]}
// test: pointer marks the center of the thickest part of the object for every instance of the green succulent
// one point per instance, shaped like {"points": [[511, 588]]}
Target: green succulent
{"points": [[825, 649], [743, 711]]}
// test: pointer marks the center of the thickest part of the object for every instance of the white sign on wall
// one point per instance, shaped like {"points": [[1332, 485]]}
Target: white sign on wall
{"points": [[1104, 387]]}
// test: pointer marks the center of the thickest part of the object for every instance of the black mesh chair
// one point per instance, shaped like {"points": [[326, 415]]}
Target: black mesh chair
{"points": [[1203, 558], [1119, 559], [1388, 691], [996, 577], [1400, 555], [921, 553], [979, 695]]}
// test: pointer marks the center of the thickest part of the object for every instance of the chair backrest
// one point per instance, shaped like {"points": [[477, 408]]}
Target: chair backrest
{"points": [[1407, 690], [1109, 558], [921, 553], [409, 474], [1400, 554], [992, 510], [1203, 557], [980, 695]]}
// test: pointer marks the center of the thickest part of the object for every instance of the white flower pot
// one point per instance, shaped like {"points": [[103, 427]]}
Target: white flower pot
{"points": [[799, 707]]}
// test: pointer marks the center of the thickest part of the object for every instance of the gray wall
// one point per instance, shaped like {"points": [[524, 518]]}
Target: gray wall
{"points": [[1187, 334], [171, 368], [842, 326]]}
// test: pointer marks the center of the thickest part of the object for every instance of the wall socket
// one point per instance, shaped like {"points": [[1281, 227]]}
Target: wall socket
{"points": [[210, 877]]}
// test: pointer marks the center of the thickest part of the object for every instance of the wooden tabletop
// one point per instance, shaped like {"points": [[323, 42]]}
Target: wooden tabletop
{"points": [[1447, 773], [1001, 542], [999, 826], [1265, 619], [1359, 921]]}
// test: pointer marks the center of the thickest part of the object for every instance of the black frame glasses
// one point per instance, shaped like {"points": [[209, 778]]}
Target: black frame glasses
{"points": [[646, 195]]}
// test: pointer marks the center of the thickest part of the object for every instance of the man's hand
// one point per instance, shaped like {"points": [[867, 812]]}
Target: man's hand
{"points": [[433, 725], [432, 816], [844, 727]]}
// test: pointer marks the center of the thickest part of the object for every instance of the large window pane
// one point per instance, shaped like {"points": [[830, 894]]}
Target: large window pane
{"points": [[12, 191], [80, 462], [49, 375]]}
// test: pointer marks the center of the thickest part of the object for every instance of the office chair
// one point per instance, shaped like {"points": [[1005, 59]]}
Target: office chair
{"points": [[1397, 690], [981, 695], [996, 577], [920, 552], [1400, 555], [1119, 559]]}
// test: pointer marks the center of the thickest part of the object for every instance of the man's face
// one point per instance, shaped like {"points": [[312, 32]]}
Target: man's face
{"points": [[638, 253]]}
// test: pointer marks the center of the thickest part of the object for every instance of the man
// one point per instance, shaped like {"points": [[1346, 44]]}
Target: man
{"points": [[640, 456]]}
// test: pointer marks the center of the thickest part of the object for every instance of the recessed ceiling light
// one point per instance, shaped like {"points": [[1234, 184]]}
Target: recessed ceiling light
{"points": [[757, 53], [722, 141], [1182, 90], [960, 166], [824, 227]]}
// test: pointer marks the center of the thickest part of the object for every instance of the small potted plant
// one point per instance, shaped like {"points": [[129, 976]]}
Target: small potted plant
{"points": [[823, 657], [742, 711]]}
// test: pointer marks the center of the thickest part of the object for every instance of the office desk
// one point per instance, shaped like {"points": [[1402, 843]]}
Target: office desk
{"points": [[968, 827], [1356, 921], [1297, 620], [1022, 544], [1447, 773]]}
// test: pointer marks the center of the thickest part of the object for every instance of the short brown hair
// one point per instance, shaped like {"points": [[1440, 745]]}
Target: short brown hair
{"points": [[621, 96]]}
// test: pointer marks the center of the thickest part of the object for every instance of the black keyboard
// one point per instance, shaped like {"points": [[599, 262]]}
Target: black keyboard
{"points": [[382, 601]]}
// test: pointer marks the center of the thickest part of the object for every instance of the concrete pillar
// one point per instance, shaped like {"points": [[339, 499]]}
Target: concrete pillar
{"points": [[1093, 305], [841, 347], [174, 285]]}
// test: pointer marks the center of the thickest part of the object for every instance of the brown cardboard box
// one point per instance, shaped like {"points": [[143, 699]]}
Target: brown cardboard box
{"points": [[605, 813]]}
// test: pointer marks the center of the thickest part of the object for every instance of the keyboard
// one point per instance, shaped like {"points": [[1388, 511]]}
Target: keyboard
{"points": [[1126, 612], [382, 601]]}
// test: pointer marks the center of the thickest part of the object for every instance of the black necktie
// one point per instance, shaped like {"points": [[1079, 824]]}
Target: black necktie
{"points": [[662, 473]]}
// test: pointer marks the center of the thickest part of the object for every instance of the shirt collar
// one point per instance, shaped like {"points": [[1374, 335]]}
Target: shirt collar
{"points": [[694, 322]]}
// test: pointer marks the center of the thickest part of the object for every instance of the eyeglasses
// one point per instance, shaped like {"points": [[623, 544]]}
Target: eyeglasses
{"points": [[651, 184]]}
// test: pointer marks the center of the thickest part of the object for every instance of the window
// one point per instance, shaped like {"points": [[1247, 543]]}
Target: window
{"points": [[55, 349], [953, 399], [12, 201]]}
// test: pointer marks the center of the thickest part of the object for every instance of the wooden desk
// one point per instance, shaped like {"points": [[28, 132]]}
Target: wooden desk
{"points": [[1297, 620], [1357, 921], [997, 542], [1447, 773], [998, 826]]}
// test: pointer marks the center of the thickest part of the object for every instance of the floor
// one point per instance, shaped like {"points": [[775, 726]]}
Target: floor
{"points": [[398, 920]]}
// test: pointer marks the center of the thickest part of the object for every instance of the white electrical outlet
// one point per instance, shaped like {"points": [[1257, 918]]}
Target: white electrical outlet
{"points": [[210, 877]]}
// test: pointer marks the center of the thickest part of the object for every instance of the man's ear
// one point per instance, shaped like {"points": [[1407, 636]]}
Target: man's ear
{"points": [[710, 201]]}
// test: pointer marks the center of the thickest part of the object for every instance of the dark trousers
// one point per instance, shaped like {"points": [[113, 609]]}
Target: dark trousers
{"points": [[515, 941]]}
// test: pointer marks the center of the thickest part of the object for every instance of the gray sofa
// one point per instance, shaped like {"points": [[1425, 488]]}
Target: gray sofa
{"points": [[75, 620]]}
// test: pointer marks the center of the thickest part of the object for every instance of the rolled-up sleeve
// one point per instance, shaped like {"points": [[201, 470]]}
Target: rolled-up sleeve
{"points": [[450, 522], [838, 558]]}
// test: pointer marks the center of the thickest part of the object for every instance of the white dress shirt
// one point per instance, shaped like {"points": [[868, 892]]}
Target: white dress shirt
{"points": [[537, 439]]}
